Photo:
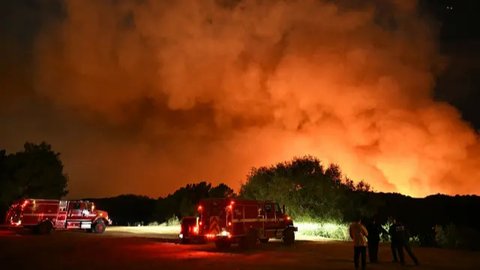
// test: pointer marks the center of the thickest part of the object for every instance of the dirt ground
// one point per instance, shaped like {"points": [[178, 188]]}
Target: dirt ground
{"points": [[121, 250]]}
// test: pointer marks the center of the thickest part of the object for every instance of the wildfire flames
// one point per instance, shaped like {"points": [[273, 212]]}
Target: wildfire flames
{"points": [[156, 94]]}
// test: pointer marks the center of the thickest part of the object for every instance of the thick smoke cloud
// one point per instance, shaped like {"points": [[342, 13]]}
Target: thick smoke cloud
{"points": [[145, 96]]}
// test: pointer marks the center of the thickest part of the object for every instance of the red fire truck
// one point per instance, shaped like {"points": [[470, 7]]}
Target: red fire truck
{"points": [[227, 221], [42, 216]]}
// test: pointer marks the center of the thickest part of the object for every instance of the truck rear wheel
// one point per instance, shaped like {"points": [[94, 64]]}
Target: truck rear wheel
{"points": [[288, 237], [98, 226], [44, 228], [222, 244], [249, 241], [184, 241]]}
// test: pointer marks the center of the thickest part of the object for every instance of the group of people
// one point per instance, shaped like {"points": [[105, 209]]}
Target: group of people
{"points": [[369, 236]]}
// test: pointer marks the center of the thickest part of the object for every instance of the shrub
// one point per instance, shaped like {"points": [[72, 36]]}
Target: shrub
{"points": [[172, 221], [452, 236], [327, 229]]}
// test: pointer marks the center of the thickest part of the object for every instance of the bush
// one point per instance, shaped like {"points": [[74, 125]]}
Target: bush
{"points": [[414, 240], [173, 221], [333, 231], [451, 236], [154, 223], [327, 229], [445, 236], [385, 237]]}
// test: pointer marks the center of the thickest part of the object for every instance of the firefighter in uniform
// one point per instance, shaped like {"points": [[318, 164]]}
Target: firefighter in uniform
{"points": [[393, 240], [400, 238]]}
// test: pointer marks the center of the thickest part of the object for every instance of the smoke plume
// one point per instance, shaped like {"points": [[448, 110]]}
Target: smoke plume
{"points": [[145, 96]]}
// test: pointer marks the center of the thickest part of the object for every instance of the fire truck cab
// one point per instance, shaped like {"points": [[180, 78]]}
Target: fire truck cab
{"points": [[43, 216], [226, 221]]}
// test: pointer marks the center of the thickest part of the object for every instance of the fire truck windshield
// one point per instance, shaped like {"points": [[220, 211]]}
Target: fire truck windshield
{"points": [[278, 210], [75, 205], [90, 206]]}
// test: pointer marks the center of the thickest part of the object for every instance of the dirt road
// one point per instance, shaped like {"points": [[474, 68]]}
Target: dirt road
{"points": [[116, 250]]}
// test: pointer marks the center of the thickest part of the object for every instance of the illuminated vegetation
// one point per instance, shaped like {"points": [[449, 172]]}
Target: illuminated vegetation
{"points": [[308, 190]]}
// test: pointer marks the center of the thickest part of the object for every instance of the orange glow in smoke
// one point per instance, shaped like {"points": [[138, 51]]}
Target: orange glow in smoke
{"points": [[186, 90]]}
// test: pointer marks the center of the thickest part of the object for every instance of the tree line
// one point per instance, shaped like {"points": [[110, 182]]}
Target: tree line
{"points": [[142, 210]]}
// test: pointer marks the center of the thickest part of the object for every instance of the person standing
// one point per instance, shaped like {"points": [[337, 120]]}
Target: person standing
{"points": [[374, 230], [393, 240], [401, 236], [359, 234]]}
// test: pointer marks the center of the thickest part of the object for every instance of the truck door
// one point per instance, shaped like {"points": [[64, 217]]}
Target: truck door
{"points": [[74, 211], [270, 221], [279, 216]]}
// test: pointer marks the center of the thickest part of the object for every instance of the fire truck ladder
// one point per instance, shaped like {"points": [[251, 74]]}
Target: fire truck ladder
{"points": [[60, 221]]}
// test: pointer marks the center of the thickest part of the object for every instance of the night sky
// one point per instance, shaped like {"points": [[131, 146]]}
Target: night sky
{"points": [[146, 96], [459, 39]]}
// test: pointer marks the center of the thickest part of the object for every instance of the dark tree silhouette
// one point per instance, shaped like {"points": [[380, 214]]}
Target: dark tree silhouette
{"points": [[6, 188], [221, 191], [183, 201], [36, 172]]}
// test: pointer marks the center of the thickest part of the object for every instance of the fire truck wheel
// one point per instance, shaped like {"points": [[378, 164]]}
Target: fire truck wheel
{"points": [[44, 228], [222, 244], [249, 241], [264, 240], [288, 237], [98, 227], [185, 241]]}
